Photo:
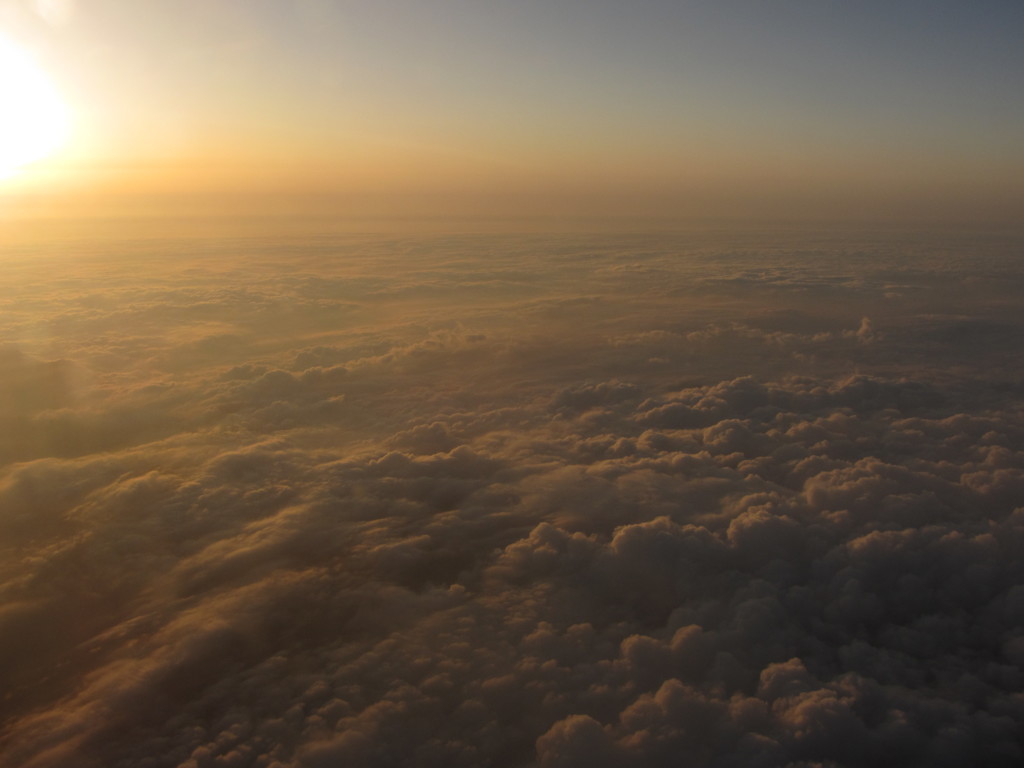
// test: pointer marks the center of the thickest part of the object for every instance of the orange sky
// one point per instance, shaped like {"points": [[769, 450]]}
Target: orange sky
{"points": [[492, 110]]}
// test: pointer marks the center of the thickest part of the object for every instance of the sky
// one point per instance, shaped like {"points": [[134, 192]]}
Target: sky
{"points": [[788, 110], [529, 384]]}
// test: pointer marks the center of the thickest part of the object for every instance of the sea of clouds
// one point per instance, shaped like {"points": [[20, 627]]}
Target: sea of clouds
{"points": [[694, 500]]}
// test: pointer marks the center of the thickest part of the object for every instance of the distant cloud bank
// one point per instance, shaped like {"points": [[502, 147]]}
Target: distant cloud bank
{"points": [[538, 501]]}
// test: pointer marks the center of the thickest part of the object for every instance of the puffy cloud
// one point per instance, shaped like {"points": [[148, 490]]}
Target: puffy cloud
{"points": [[492, 501]]}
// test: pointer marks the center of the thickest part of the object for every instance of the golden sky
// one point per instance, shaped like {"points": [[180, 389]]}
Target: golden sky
{"points": [[458, 108]]}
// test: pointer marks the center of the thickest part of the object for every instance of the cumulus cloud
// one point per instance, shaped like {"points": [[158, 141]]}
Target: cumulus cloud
{"points": [[497, 501]]}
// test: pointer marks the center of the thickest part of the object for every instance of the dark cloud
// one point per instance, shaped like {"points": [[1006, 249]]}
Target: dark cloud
{"points": [[486, 501]]}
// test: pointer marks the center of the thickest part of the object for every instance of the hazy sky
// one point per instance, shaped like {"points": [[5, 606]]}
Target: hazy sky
{"points": [[279, 491], [663, 108]]}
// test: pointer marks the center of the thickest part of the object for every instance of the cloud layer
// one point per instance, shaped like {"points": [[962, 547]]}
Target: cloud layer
{"points": [[513, 501]]}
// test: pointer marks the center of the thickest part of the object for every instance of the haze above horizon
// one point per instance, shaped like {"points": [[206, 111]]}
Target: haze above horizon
{"points": [[794, 110]]}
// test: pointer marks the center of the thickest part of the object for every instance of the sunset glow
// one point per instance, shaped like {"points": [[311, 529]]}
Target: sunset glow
{"points": [[511, 384], [36, 121]]}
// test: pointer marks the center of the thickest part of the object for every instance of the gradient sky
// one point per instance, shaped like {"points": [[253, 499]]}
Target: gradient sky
{"points": [[655, 107], [464, 384]]}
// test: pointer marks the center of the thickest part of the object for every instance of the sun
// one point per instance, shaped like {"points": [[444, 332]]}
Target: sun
{"points": [[35, 121]]}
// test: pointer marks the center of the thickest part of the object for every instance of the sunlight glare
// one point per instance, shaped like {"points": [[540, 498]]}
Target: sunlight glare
{"points": [[35, 120]]}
